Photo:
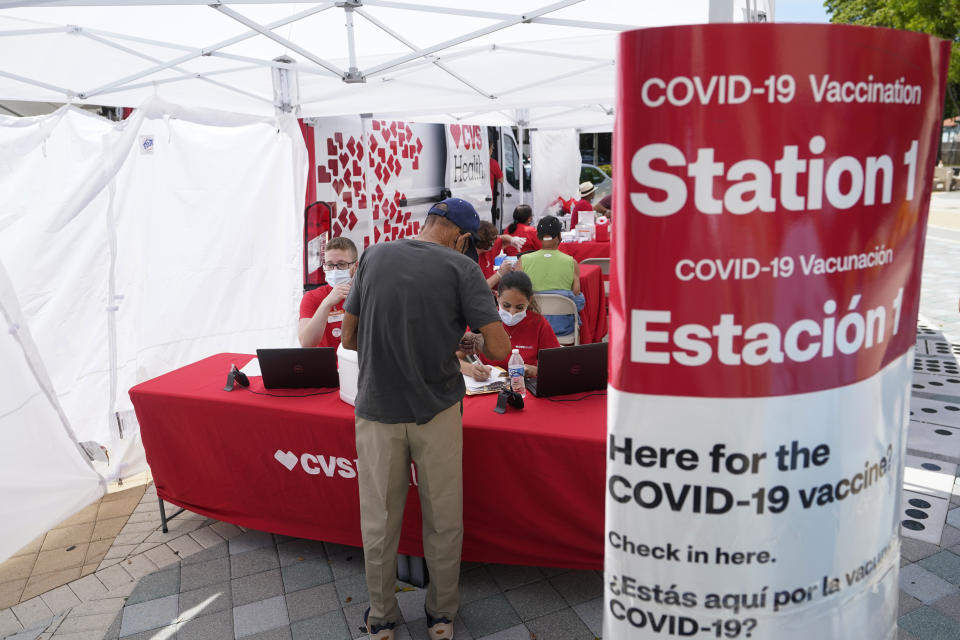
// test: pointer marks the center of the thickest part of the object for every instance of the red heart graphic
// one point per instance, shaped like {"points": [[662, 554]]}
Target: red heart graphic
{"points": [[416, 163], [338, 136], [323, 176], [347, 176], [454, 133], [331, 148], [382, 153], [419, 146], [353, 220], [357, 187], [333, 166], [363, 202], [356, 168], [376, 235], [347, 198], [376, 125], [366, 242], [344, 158], [352, 146], [338, 185]]}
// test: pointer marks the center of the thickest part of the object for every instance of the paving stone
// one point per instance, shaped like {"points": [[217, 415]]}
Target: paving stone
{"points": [[162, 556], [578, 586], [411, 604], [133, 538], [518, 632], [334, 549], [249, 541], [10, 592], [255, 617], [205, 555], [476, 584], [216, 625], [914, 550], [298, 550], [119, 551], [591, 613], [206, 537], [510, 576], [903, 635], [206, 600], [306, 573], [108, 529], [347, 564], [146, 546], [226, 530], [156, 585], [248, 562], [94, 622], [926, 623], [60, 599], [114, 577], [138, 566], [65, 536], [560, 624], [308, 603], [535, 600], [164, 633], [945, 564], [184, 546], [352, 589], [489, 615], [328, 626], [9, 623], [949, 606], [17, 567], [152, 614], [354, 616], [201, 574], [88, 588], [908, 603], [280, 633], [924, 585], [103, 605], [32, 612], [257, 586]]}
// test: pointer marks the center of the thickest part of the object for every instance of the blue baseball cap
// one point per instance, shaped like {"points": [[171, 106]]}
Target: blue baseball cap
{"points": [[459, 212]]}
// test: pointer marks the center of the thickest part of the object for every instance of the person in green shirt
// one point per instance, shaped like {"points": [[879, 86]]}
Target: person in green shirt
{"points": [[553, 271]]}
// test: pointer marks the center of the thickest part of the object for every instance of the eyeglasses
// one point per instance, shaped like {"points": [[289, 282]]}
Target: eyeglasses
{"points": [[339, 266]]}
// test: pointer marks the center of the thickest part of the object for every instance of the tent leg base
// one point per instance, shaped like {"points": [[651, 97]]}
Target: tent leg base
{"points": [[163, 515]]}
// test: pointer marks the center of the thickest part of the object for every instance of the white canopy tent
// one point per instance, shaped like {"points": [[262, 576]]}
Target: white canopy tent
{"points": [[136, 247], [514, 61]]}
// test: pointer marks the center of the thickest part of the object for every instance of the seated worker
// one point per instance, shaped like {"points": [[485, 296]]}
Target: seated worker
{"points": [[552, 271], [528, 330], [587, 189], [321, 310], [520, 228], [603, 207], [489, 245]]}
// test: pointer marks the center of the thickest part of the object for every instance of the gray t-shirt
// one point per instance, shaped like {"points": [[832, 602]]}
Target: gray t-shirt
{"points": [[413, 301]]}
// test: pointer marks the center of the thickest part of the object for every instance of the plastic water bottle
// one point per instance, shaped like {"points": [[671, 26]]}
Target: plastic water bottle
{"points": [[515, 369]]}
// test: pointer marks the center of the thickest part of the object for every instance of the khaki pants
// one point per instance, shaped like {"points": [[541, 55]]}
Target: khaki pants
{"points": [[384, 452]]}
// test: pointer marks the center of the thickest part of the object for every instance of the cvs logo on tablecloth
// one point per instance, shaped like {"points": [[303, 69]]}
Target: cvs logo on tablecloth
{"points": [[328, 465]]}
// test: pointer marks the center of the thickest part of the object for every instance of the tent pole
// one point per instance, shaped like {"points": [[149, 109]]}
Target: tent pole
{"points": [[470, 36], [353, 73], [264, 31]]}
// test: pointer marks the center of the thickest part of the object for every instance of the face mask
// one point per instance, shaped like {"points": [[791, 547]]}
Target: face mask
{"points": [[548, 238], [337, 276], [511, 319]]}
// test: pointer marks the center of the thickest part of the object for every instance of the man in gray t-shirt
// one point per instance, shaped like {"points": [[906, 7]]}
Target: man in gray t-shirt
{"points": [[408, 307]]}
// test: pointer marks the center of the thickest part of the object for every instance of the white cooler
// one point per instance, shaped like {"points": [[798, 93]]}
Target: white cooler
{"points": [[349, 372]]}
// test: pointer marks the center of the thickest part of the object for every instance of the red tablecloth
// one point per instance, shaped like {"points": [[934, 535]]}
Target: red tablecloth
{"points": [[593, 316], [533, 479], [583, 250]]}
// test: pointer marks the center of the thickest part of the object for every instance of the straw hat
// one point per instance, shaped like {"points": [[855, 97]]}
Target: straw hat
{"points": [[586, 189]]}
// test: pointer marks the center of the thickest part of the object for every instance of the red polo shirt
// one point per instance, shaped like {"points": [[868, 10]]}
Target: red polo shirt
{"points": [[309, 305], [485, 259], [529, 336], [523, 231]]}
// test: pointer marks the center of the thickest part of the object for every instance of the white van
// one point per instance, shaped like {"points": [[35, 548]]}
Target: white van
{"points": [[379, 178]]}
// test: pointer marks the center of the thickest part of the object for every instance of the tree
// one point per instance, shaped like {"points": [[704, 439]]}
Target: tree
{"points": [[939, 18]]}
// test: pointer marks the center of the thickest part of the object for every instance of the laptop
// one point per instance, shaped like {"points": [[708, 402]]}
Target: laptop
{"points": [[570, 370], [304, 368]]}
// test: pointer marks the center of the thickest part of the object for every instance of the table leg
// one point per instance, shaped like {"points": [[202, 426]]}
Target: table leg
{"points": [[163, 515], [413, 570]]}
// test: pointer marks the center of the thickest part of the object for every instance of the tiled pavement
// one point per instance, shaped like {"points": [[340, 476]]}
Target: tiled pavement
{"points": [[208, 580]]}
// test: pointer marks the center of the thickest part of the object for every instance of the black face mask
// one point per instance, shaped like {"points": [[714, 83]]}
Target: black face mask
{"points": [[471, 247]]}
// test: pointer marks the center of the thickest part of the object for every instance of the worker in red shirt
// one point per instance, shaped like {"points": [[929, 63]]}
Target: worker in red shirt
{"points": [[520, 228], [528, 330], [587, 189], [321, 310]]}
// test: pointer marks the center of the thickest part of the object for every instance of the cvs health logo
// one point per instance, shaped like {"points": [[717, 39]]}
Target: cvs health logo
{"points": [[327, 465], [315, 465]]}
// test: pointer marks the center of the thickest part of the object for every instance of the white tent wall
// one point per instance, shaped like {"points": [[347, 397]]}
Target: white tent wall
{"points": [[555, 163], [44, 477], [129, 263]]}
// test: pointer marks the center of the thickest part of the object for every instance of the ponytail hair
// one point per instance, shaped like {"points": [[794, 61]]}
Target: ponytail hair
{"points": [[521, 282], [523, 214]]}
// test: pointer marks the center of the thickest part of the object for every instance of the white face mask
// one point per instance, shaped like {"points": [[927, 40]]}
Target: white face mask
{"points": [[511, 319], [337, 276]]}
